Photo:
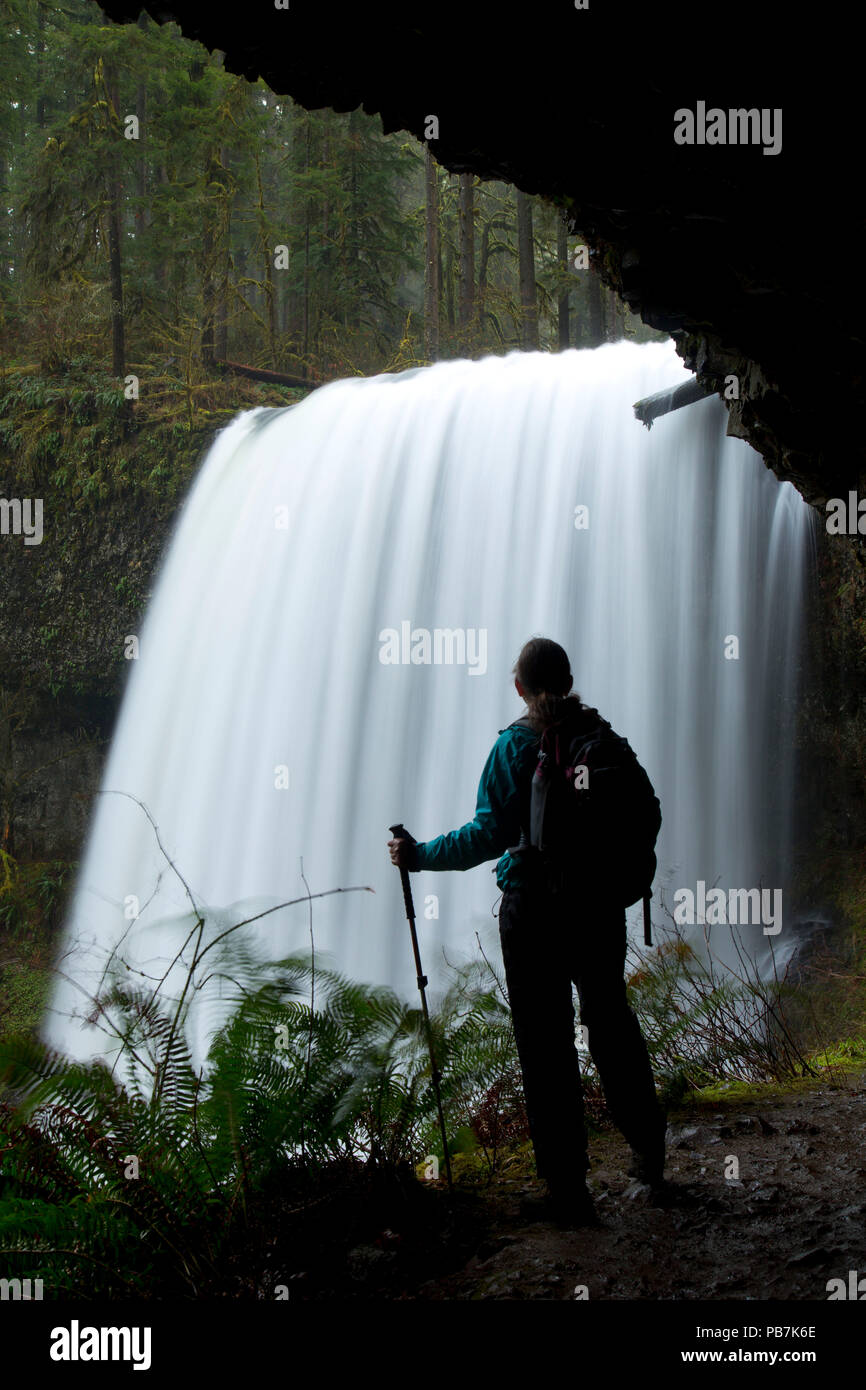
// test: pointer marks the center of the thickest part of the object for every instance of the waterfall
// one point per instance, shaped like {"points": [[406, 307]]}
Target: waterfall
{"points": [[263, 725]]}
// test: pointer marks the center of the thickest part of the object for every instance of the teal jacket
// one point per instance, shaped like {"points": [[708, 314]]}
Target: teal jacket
{"points": [[502, 807]]}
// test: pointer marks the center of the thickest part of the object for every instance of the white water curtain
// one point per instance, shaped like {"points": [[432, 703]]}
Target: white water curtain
{"points": [[444, 498]]}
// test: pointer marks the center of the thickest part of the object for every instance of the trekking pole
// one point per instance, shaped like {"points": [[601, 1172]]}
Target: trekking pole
{"points": [[647, 921], [399, 832]]}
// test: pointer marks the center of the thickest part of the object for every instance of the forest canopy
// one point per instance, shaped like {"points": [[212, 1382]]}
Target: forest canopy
{"points": [[162, 211]]}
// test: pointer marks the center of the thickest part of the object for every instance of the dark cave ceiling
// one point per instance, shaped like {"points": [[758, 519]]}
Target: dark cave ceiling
{"points": [[749, 260]]}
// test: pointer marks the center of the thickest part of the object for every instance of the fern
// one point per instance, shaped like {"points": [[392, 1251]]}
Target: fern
{"points": [[287, 1097]]}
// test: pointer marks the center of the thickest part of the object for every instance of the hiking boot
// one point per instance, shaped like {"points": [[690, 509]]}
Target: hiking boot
{"points": [[648, 1169], [573, 1208]]}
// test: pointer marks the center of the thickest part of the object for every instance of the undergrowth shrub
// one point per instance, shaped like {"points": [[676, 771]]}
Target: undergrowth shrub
{"points": [[147, 1175]]}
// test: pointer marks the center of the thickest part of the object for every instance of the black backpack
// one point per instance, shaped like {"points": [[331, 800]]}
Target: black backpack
{"points": [[594, 818]]}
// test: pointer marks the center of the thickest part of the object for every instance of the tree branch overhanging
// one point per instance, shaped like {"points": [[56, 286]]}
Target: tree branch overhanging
{"points": [[673, 398]]}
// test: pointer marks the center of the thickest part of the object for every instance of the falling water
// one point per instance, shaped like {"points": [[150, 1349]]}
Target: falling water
{"points": [[263, 732]]}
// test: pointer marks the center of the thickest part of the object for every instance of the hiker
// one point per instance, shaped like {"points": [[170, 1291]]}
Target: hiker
{"points": [[561, 919]]}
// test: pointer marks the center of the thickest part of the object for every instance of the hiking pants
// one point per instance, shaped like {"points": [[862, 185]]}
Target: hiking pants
{"points": [[548, 942]]}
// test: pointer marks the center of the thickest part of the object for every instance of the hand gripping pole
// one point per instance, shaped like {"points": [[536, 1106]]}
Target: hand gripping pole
{"points": [[399, 832]]}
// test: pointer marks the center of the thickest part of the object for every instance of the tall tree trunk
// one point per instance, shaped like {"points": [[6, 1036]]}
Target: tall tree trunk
{"points": [[596, 324], [271, 301], [207, 319], [610, 316], [114, 239], [564, 291], [432, 259], [495, 224], [526, 259], [142, 214], [268, 261], [208, 252], [115, 269], [482, 278], [466, 245], [221, 311], [159, 270], [40, 50], [354, 225], [441, 278], [307, 220], [326, 276], [142, 217], [222, 308]]}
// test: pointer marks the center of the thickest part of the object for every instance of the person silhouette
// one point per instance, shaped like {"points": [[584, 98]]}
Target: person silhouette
{"points": [[553, 935]]}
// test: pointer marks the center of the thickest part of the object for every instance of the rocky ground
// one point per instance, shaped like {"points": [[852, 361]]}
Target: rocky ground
{"points": [[793, 1219]]}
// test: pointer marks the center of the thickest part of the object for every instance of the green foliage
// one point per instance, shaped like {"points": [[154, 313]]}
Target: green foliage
{"points": [[845, 1054], [24, 993], [32, 895], [222, 173], [74, 432], [143, 1175], [32, 898], [704, 1022], [288, 1094]]}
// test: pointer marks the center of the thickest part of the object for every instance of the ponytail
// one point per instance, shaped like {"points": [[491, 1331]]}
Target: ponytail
{"points": [[544, 671]]}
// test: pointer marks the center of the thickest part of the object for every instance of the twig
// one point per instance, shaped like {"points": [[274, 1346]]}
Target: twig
{"points": [[309, 1057], [499, 985]]}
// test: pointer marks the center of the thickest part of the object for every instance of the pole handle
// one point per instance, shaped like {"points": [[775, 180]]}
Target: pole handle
{"points": [[401, 833]]}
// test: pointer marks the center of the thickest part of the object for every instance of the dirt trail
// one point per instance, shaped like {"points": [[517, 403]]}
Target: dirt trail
{"points": [[794, 1219]]}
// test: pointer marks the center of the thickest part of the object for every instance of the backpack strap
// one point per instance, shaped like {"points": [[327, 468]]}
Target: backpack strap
{"points": [[538, 801], [522, 723], [541, 784]]}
